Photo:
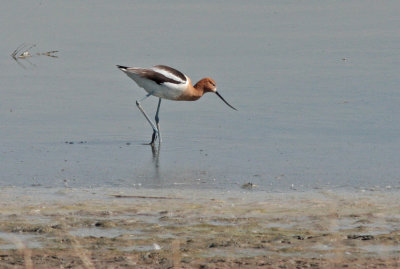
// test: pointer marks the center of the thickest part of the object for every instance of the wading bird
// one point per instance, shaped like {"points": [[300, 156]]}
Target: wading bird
{"points": [[168, 83]]}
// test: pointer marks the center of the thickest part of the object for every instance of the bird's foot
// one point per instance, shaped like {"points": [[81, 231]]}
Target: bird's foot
{"points": [[154, 137]]}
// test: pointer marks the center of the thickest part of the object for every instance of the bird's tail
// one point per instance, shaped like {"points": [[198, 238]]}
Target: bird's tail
{"points": [[123, 68]]}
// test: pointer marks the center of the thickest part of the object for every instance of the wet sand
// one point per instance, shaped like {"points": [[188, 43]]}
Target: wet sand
{"points": [[108, 228]]}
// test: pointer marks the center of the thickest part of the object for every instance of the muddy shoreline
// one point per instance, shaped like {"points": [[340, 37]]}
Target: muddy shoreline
{"points": [[103, 228]]}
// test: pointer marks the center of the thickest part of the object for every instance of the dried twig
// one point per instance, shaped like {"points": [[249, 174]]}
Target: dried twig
{"points": [[143, 197]]}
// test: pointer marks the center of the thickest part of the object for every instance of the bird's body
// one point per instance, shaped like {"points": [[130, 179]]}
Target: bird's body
{"points": [[161, 81], [166, 82]]}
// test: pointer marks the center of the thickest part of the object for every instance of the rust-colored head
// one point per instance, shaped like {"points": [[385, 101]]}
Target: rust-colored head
{"points": [[206, 85], [209, 85]]}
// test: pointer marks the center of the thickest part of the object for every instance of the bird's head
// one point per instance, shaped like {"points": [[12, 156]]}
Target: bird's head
{"points": [[209, 85]]}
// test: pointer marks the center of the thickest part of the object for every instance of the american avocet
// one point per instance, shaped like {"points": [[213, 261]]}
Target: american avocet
{"points": [[168, 83]]}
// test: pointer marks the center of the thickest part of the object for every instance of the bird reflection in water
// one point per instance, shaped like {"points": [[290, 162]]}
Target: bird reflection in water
{"points": [[155, 150]]}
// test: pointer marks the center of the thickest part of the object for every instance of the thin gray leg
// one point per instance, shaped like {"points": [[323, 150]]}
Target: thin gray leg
{"points": [[155, 131], [158, 120]]}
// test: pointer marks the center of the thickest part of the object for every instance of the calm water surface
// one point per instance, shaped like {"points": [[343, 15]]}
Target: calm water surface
{"points": [[316, 85]]}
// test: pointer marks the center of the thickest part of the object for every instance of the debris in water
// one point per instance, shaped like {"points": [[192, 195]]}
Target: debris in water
{"points": [[23, 52], [249, 186], [363, 237]]}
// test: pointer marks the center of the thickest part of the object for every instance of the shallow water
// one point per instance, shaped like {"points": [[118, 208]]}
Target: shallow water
{"points": [[316, 85]]}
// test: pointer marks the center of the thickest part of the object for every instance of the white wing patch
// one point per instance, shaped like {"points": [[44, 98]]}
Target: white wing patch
{"points": [[168, 74]]}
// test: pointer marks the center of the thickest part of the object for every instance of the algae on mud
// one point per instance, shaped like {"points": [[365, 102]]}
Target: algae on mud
{"points": [[209, 229]]}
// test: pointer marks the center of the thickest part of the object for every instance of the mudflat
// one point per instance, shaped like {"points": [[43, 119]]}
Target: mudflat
{"points": [[107, 228]]}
